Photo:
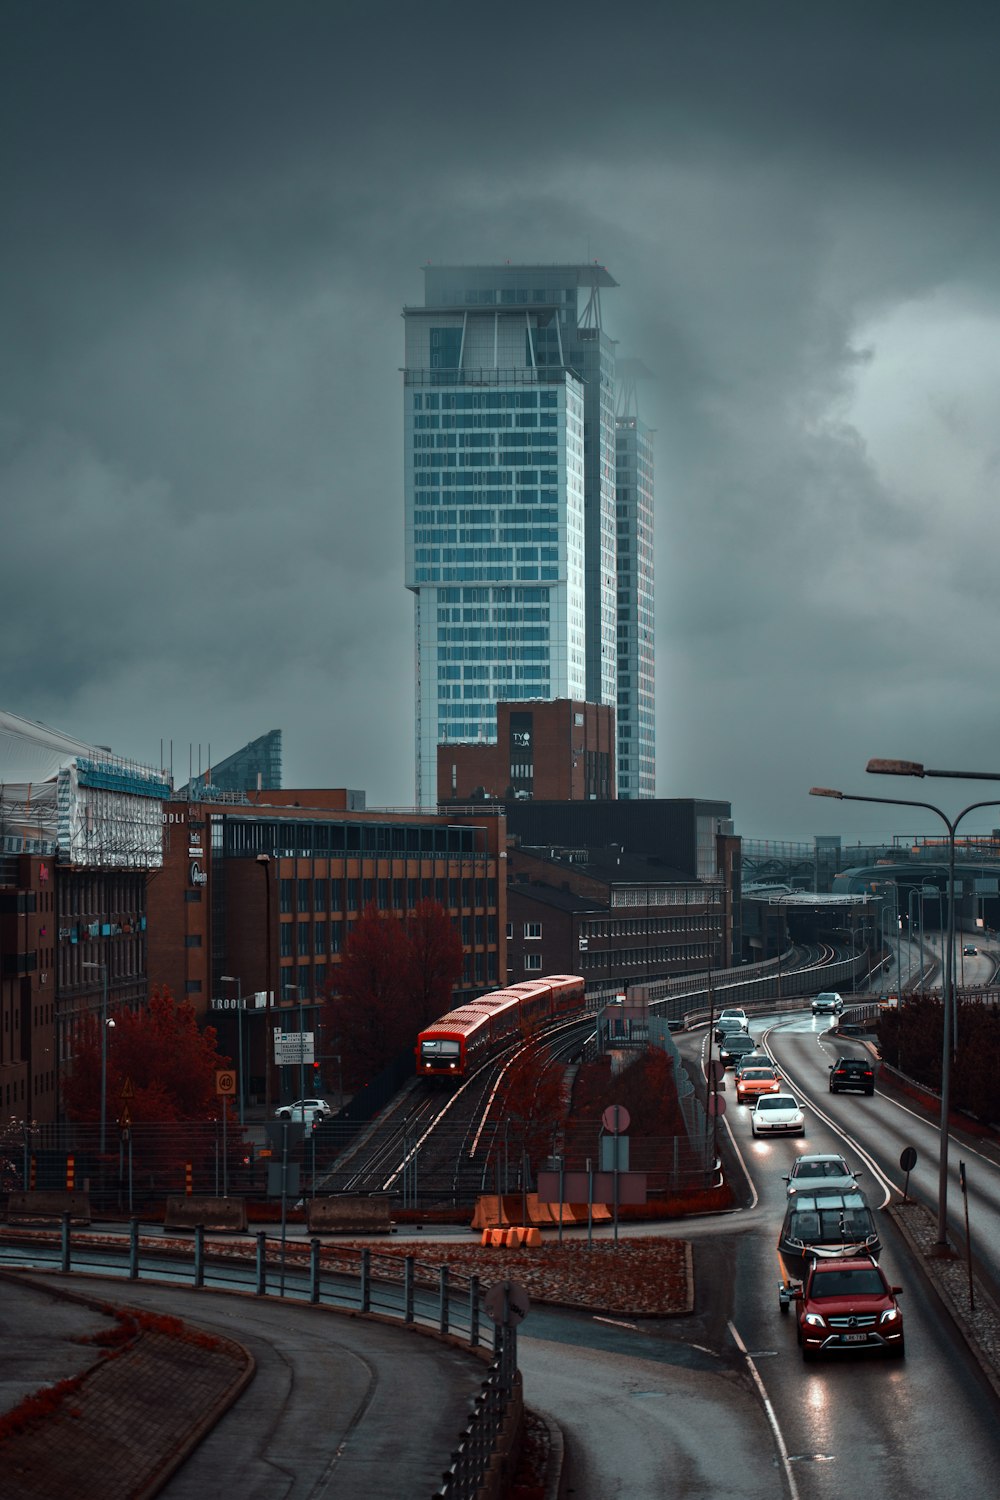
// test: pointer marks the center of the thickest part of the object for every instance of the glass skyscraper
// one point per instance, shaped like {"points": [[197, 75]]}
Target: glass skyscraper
{"points": [[636, 736], [510, 463]]}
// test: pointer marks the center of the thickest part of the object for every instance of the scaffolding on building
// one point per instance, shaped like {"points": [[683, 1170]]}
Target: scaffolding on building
{"points": [[77, 802]]}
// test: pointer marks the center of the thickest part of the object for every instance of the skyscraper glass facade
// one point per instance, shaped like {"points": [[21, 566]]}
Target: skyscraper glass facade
{"points": [[510, 461], [636, 747]]}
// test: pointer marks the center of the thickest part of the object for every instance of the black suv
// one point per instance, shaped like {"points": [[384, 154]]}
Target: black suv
{"points": [[852, 1073], [735, 1044]]}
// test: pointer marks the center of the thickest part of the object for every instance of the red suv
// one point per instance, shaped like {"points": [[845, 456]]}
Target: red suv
{"points": [[848, 1304]]}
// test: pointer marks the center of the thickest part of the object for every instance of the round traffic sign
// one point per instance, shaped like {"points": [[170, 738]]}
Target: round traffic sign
{"points": [[511, 1295], [616, 1118], [908, 1158], [716, 1104]]}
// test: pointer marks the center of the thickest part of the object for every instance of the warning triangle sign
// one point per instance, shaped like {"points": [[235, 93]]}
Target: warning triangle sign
{"points": [[128, 1088]]}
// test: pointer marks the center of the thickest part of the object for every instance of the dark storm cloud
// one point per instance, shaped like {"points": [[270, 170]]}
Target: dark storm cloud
{"points": [[214, 212]]}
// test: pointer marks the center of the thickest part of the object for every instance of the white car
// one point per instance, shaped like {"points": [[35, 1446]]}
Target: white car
{"points": [[777, 1114], [828, 1003], [306, 1110], [821, 1173]]}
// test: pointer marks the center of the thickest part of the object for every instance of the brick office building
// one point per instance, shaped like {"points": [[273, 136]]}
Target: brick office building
{"points": [[29, 1073], [614, 918], [622, 892], [561, 751], [257, 896], [80, 828]]}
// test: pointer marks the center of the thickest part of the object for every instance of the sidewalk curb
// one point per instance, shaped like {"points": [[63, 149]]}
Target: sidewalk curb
{"points": [[948, 1275], [557, 1454]]}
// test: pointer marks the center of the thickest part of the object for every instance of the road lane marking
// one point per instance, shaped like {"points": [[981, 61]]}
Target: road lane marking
{"points": [[779, 1441]]}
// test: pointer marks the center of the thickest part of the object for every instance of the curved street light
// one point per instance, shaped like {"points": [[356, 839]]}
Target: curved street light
{"points": [[105, 1024], [264, 862], [235, 979], [913, 768]]}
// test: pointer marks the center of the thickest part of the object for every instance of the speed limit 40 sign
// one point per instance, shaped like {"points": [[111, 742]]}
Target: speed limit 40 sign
{"points": [[225, 1081]]}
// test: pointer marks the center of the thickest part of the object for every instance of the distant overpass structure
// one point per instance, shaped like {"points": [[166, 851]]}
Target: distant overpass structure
{"points": [[906, 876], [774, 915], [805, 866]]}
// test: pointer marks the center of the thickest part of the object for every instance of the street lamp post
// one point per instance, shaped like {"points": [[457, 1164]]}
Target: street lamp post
{"points": [[911, 768], [923, 894], [264, 861], [302, 1058], [104, 1048], [897, 923], [234, 979]]}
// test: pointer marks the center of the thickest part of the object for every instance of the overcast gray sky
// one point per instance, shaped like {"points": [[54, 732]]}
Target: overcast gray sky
{"points": [[213, 214]]}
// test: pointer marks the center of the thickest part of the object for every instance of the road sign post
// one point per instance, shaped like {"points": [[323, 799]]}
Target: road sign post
{"points": [[907, 1161], [616, 1119]]}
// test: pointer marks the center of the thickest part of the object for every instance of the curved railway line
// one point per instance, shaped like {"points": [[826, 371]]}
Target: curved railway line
{"points": [[440, 1145]]}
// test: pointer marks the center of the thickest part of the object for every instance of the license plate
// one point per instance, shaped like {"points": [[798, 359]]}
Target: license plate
{"points": [[855, 1338]]}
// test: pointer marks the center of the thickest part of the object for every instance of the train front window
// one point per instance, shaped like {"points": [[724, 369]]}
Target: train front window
{"points": [[439, 1051]]}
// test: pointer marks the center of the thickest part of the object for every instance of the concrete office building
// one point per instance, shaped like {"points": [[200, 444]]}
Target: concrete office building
{"points": [[510, 462]]}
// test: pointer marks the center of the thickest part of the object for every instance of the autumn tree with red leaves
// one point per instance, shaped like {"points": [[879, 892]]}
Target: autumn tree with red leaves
{"points": [[434, 964], [369, 1014], [169, 1062], [393, 980], [532, 1098]]}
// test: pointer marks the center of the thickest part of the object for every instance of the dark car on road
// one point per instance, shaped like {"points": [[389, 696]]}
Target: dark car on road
{"points": [[852, 1073], [824, 1225], [735, 1044]]}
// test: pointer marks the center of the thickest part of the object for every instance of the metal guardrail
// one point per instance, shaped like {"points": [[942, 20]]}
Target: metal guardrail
{"points": [[360, 1280]]}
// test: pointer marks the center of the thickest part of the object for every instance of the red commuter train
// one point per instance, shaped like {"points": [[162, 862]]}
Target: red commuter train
{"points": [[465, 1036]]}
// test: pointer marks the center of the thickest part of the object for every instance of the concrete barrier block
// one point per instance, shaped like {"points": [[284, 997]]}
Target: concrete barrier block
{"points": [[188, 1210], [339, 1215], [47, 1206]]}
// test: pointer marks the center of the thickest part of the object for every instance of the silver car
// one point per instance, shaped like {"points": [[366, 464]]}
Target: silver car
{"points": [[827, 1003], [827, 1172]]}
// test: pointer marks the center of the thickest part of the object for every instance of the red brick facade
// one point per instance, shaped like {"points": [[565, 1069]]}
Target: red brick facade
{"points": [[561, 751]]}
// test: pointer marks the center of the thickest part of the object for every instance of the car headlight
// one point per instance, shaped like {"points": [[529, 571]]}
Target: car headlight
{"points": [[890, 1315], [814, 1320]]}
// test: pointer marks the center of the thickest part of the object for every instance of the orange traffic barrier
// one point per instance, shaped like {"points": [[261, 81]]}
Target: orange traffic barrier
{"points": [[497, 1237], [533, 1236], [515, 1236], [486, 1240]]}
